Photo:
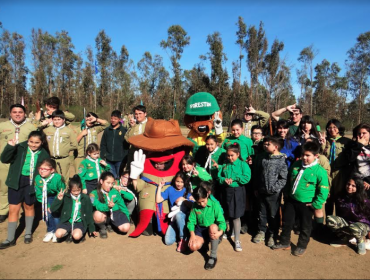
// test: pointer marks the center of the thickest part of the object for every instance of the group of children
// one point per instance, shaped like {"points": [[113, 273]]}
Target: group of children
{"points": [[213, 191]]}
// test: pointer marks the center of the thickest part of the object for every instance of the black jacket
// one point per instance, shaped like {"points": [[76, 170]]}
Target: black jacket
{"points": [[113, 146]]}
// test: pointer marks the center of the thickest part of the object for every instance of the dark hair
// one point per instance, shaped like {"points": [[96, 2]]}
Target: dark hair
{"points": [[124, 172], [338, 124], [50, 162], [285, 124], [297, 108], [235, 147], [237, 122], [208, 185], [53, 101], [257, 127], [186, 181], [58, 114], [141, 108], [315, 140], [116, 113], [93, 147], [75, 181], [17, 106], [213, 137], [357, 129], [359, 196], [310, 120], [311, 147], [189, 159], [92, 114], [103, 177], [275, 140], [200, 192], [41, 135]]}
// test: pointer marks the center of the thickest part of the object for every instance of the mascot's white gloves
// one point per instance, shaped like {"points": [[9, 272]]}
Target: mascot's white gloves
{"points": [[137, 165], [174, 210], [217, 123]]}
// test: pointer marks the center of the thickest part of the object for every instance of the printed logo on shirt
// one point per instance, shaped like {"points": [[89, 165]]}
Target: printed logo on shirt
{"points": [[48, 137], [120, 133], [5, 130]]}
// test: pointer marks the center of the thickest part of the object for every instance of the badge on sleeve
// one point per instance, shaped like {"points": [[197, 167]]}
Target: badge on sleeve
{"points": [[120, 133]]}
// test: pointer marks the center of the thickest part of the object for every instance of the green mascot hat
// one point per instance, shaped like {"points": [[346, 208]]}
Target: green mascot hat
{"points": [[201, 104]]}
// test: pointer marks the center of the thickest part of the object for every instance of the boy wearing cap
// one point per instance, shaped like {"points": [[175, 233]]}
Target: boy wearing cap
{"points": [[113, 147], [62, 141]]}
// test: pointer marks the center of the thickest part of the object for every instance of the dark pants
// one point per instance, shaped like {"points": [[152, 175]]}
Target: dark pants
{"points": [[114, 168], [293, 208], [268, 210]]}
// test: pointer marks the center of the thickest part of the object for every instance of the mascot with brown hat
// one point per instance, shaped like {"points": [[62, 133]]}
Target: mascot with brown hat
{"points": [[203, 118], [162, 147]]}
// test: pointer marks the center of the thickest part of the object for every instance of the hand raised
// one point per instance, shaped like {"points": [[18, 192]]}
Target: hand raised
{"points": [[61, 194], [137, 165], [12, 142]]}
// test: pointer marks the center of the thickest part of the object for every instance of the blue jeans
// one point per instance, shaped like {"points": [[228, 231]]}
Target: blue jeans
{"points": [[114, 167], [178, 223], [52, 221]]}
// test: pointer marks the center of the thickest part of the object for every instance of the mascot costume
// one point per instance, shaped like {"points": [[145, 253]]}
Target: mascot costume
{"points": [[203, 118], [161, 142]]}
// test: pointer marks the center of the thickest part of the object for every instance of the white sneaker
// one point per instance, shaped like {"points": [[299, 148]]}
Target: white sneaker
{"points": [[48, 237], [353, 241], [367, 244], [55, 239]]}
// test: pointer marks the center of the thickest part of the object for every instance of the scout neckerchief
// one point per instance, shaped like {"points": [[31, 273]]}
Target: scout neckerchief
{"points": [[141, 125], [129, 191], [77, 208], [111, 209], [158, 206], [333, 148], [32, 163], [96, 165], [17, 129], [89, 136], [304, 167], [189, 174], [45, 198], [209, 159], [56, 141]]}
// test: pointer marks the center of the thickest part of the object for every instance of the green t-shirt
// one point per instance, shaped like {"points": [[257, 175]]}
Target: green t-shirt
{"points": [[238, 171], [245, 144]]}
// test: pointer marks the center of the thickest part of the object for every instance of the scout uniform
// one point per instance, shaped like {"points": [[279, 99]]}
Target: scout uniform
{"points": [[205, 217], [306, 185], [76, 212], [245, 144], [205, 159], [62, 141], [262, 120], [69, 117], [9, 130], [203, 175], [128, 197], [89, 172], [46, 190], [235, 194], [133, 131], [91, 137], [119, 214]]}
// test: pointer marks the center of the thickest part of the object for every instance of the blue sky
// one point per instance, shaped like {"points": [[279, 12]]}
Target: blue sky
{"points": [[331, 26]]}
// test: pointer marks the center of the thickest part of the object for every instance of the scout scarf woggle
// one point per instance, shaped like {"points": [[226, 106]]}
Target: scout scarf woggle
{"points": [[17, 129]]}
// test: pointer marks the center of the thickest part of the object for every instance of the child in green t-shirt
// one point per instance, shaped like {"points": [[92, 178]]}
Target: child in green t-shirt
{"points": [[306, 191]]}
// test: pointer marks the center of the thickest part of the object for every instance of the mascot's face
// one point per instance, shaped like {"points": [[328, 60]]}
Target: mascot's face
{"points": [[168, 162], [202, 125]]}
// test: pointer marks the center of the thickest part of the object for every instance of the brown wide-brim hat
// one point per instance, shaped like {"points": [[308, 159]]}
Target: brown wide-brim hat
{"points": [[160, 135]]}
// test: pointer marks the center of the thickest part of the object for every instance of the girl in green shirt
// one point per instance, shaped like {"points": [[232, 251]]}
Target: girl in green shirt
{"points": [[109, 205], [47, 186], [196, 174], [123, 185]]}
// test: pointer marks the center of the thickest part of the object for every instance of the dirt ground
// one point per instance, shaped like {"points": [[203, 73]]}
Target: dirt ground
{"points": [[147, 257]]}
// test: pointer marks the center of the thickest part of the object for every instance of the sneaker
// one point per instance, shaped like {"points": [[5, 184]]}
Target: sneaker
{"points": [[338, 243], [211, 263], [271, 242], [259, 237], [6, 244], [353, 241], [109, 228], [279, 246], [298, 252], [48, 236], [179, 246], [55, 239], [227, 235], [361, 248], [238, 246]]}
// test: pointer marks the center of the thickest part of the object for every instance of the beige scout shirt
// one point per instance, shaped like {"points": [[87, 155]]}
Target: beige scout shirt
{"points": [[7, 132], [67, 141]]}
